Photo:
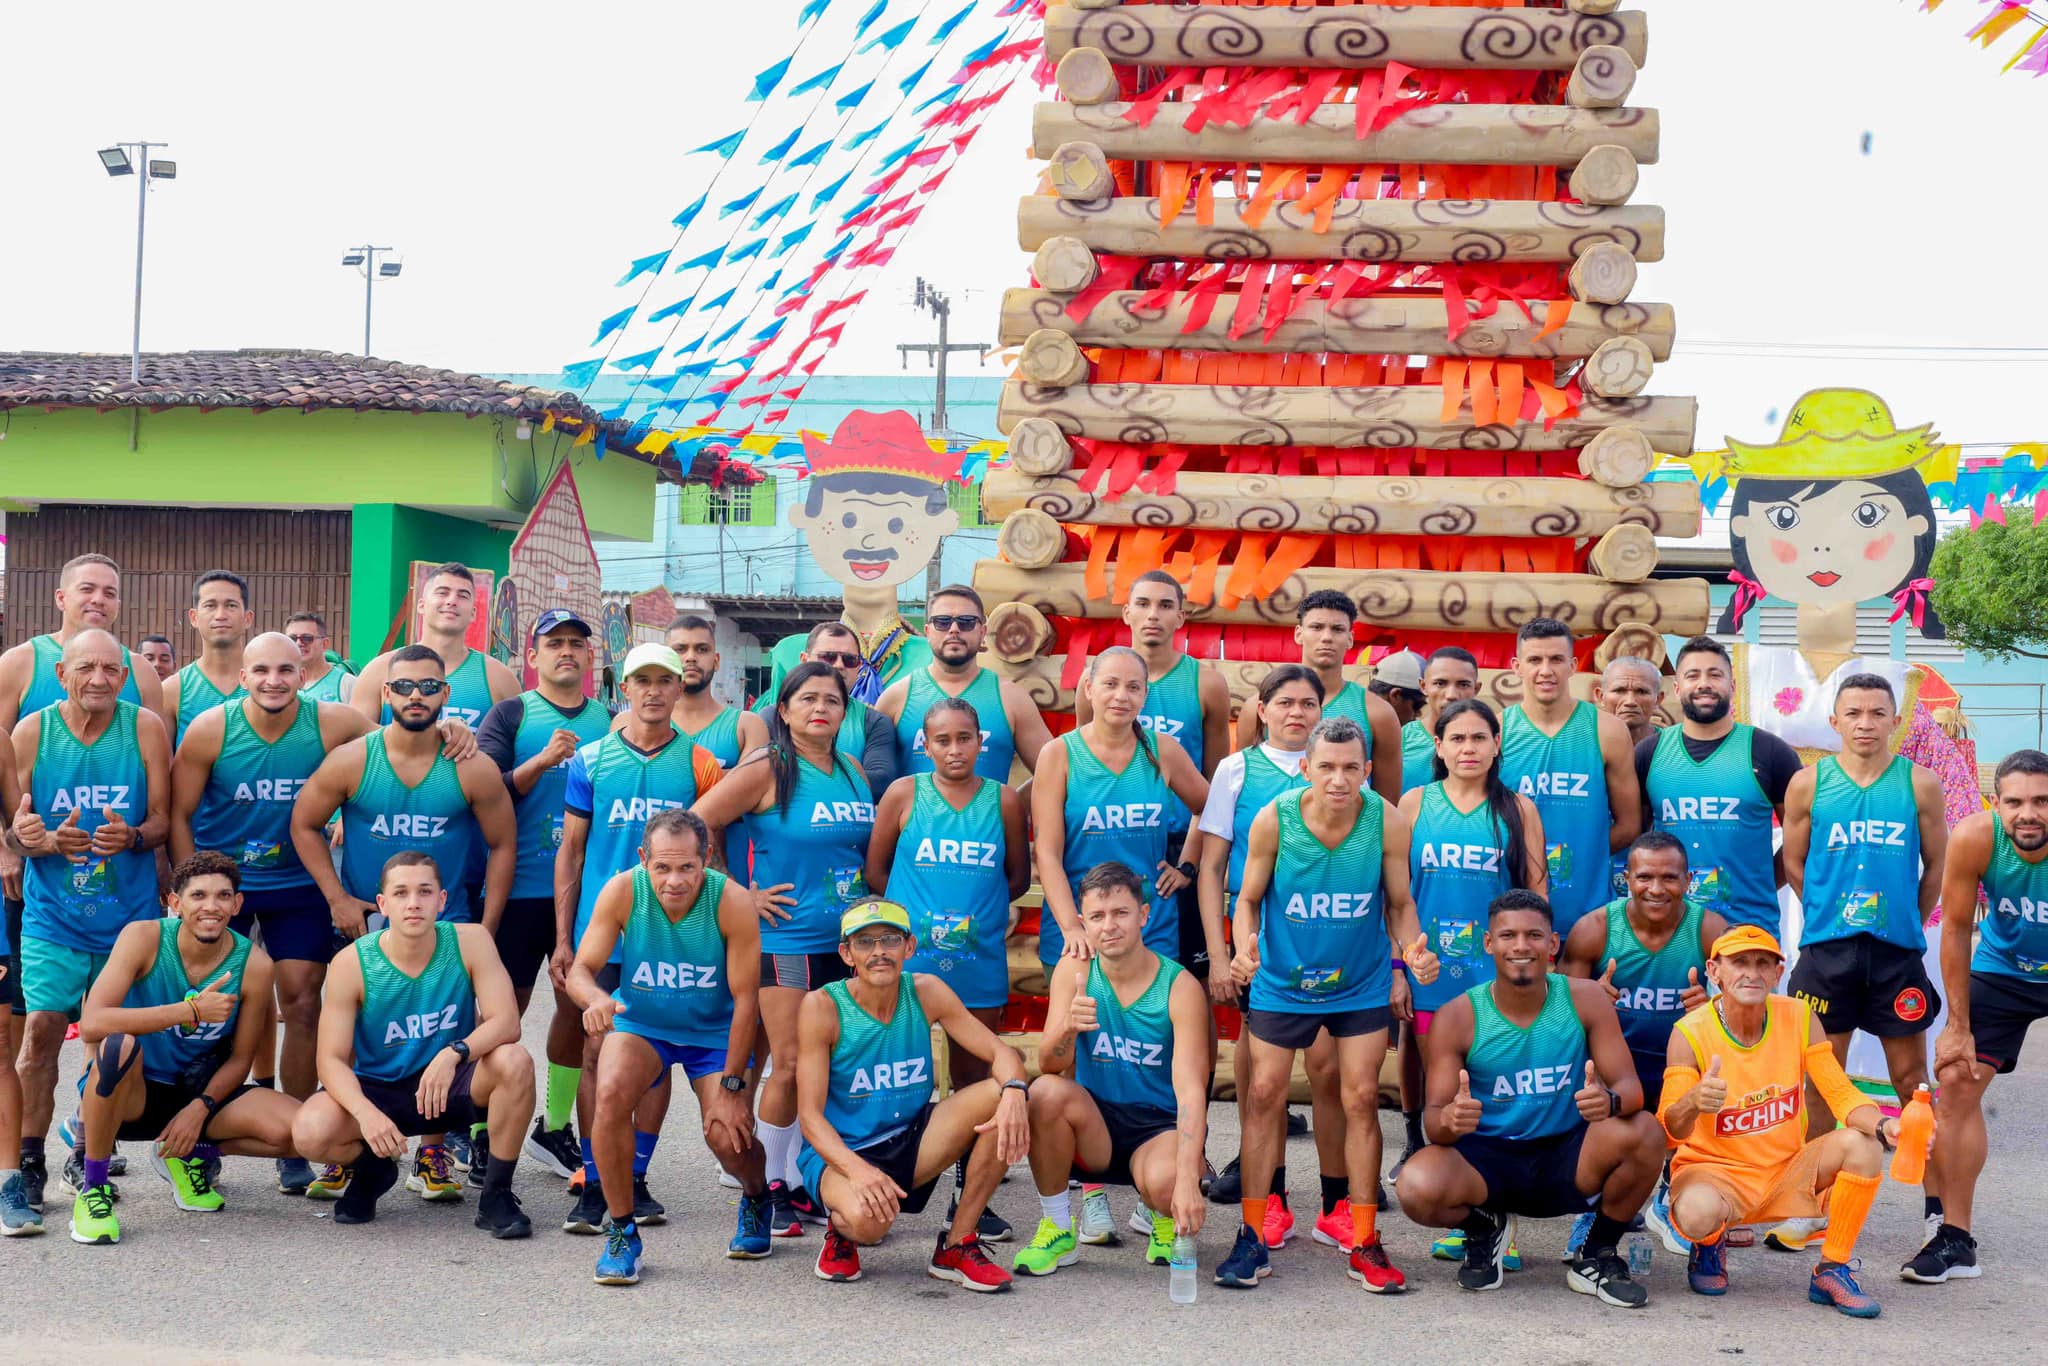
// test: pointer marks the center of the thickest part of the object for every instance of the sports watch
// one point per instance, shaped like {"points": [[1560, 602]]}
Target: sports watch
{"points": [[461, 1047], [733, 1084]]}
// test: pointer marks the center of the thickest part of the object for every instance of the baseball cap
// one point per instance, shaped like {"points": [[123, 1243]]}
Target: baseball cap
{"points": [[1746, 939], [1402, 669], [560, 616], [873, 911], [651, 654]]}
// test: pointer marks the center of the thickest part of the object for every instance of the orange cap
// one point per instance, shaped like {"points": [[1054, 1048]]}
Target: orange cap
{"points": [[1746, 939]]}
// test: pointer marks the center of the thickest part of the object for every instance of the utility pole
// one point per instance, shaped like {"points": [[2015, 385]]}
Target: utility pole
{"points": [[940, 307], [364, 258]]}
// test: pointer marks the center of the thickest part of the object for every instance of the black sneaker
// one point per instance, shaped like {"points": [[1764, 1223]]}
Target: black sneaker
{"points": [[1228, 1187], [990, 1228], [498, 1212], [1407, 1151], [783, 1220], [72, 1180], [35, 1174], [1297, 1124], [555, 1149], [1485, 1236], [807, 1208], [587, 1214], [1603, 1272], [480, 1156], [1951, 1254], [358, 1204], [647, 1209]]}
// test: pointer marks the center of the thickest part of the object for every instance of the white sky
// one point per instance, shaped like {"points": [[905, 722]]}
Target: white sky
{"points": [[520, 155]]}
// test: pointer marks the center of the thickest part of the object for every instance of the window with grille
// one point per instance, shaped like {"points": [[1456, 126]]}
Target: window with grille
{"points": [[729, 504], [965, 500], [1780, 626]]}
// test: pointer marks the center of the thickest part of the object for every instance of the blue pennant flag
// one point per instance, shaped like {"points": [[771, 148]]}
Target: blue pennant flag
{"points": [[891, 158], [891, 38], [810, 157], [720, 302], [766, 81], [696, 369], [615, 413], [800, 284], [674, 310], [724, 146], [984, 52], [782, 247], [726, 336], [708, 260], [642, 266], [765, 333], [858, 207], [781, 149], [860, 140], [850, 101], [909, 83], [612, 324], [774, 276], [812, 9], [833, 252], [946, 94], [660, 384], [745, 201], [689, 215], [750, 249], [773, 211], [867, 20], [945, 30], [689, 347], [580, 375], [830, 192], [819, 81], [643, 361]]}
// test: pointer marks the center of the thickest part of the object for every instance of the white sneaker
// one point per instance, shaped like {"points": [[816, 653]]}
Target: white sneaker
{"points": [[726, 1178], [1098, 1223], [1796, 1235], [1140, 1220]]}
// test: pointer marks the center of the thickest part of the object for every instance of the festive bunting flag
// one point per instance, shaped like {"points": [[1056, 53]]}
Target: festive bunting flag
{"points": [[781, 149], [644, 265], [945, 30], [724, 146], [819, 81], [850, 101], [727, 335], [830, 192], [752, 248], [812, 9], [774, 211], [643, 361], [611, 325], [766, 81], [944, 94], [891, 158], [811, 157], [891, 38], [720, 302], [867, 20], [909, 83], [689, 215], [674, 310], [860, 140], [744, 202], [708, 259], [689, 347], [580, 375], [791, 240], [660, 384]]}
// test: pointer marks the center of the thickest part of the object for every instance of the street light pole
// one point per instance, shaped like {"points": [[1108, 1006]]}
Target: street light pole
{"points": [[365, 257], [142, 179]]}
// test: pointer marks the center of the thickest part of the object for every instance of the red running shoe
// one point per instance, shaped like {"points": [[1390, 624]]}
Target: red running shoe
{"points": [[967, 1265], [1370, 1268], [839, 1259], [1279, 1223]]}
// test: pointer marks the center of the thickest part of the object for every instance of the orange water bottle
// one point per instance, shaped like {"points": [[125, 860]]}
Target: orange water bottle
{"points": [[1916, 1127]]}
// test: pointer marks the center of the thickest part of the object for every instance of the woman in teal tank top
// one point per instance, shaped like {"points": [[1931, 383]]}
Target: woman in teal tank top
{"points": [[384, 816], [984, 694], [245, 809], [1105, 794]]}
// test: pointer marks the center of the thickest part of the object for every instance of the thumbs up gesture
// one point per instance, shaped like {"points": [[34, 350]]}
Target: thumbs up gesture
{"points": [[115, 835], [212, 1005], [1461, 1116], [1606, 982], [1081, 1014], [1693, 995], [1594, 1100], [1710, 1093], [28, 826], [1420, 960], [70, 841]]}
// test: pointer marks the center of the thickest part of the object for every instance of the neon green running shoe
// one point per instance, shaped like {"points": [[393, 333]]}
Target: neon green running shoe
{"points": [[1451, 1248], [92, 1217], [189, 1186], [1159, 1250], [1051, 1248]]}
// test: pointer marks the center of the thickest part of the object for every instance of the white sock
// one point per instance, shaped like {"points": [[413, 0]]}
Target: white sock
{"points": [[778, 1141], [1058, 1208], [795, 1178]]}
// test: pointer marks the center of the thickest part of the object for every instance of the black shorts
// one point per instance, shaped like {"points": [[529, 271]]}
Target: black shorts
{"points": [[161, 1102], [526, 937], [1194, 940], [804, 972], [1130, 1127], [1650, 1072], [896, 1158], [399, 1100], [1536, 1177], [607, 978], [10, 990], [295, 924], [1864, 983], [1298, 1029], [2001, 1009]]}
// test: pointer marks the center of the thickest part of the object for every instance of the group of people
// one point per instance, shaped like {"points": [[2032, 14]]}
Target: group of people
{"points": [[1563, 920]]}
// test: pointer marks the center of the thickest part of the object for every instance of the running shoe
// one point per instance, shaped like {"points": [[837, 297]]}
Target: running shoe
{"points": [[1575, 1241], [1140, 1221], [117, 1165], [1371, 1269], [92, 1217], [71, 1132], [461, 1151], [990, 1227], [966, 1264], [1297, 1124], [587, 1213], [1334, 1228], [1098, 1222], [72, 1179], [750, 1240], [619, 1262], [433, 1175], [1159, 1243], [1796, 1235], [1247, 1263], [1602, 1272], [1451, 1248], [1706, 1269], [34, 1175], [371, 1178], [1931, 1223], [1407, 1151], [783, 1220], [294, 1176], [498, 1213], [480, 1157], [331, 1182], [1950, 1255], [1485, 1235], [1835, 1283], [189, 1187], [1228, 1187], [1657, 1219], [1051, 1248], [806, 1208], [838, 1259], [555, 1149], [17, 1220], [726, 1178], [1278, 1227], [647, 1209]]}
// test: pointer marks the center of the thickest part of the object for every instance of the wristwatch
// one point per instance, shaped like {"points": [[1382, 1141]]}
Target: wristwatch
{"points": [[1613, 1102], [1882, 1141], [461, 1047], [1186, 869], [1023, 1086], [212, 1105], [732, 1083]]}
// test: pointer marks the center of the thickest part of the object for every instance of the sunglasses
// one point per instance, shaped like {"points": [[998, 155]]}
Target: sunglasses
{"points": [[869, 943], [302, 641], [839, 659], [425, 687], [960, 623]]}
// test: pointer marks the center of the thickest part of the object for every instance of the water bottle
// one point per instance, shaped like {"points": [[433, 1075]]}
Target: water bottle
{"points": [[1639, 1250], [1180, 1284]]}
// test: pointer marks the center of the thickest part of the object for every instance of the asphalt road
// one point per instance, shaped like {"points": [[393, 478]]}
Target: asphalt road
{"points": [[272, 1279]]}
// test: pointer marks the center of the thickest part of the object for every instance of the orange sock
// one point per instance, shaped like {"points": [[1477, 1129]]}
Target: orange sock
{"points": [[1849, 1205], [1254, 1214], [1365, 1215]]}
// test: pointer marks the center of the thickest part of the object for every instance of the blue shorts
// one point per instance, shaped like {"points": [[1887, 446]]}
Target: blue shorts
{"points": [[294, 923], [54, 977], [695, 1060]]}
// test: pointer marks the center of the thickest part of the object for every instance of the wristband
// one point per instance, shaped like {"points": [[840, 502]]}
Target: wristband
{"points": [[1186, 870], [1400, 965], [195, 1011], [1613, 1102], [1023, 1086], [212, 1105], [135, 843]]}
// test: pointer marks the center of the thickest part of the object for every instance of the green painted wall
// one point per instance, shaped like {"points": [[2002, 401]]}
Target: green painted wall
{"points": [[385, 538]]}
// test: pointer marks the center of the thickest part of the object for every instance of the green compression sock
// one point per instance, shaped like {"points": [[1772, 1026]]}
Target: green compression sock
{"points": [[562, 1093]]}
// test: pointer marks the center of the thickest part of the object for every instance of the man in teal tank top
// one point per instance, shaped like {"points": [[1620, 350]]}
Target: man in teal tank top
{"points": [[686, 995], [1123, 1091], [866, 736], [418, 1034], [321, 679], [955, 626], [183, 997], [447, 608], [88, 598], [220, 615], [1997, 989], [1326, 630], [874, 1143], [698, 713], [1534, 1112]]}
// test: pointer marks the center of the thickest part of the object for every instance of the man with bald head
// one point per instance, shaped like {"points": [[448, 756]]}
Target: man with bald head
{"points": [[88, 800], [1629, 690]]}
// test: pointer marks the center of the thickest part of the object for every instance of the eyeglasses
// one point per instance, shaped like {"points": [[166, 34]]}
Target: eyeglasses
{"points": [[869, 943], [960, 623], [425, 687], [302, 641], [838, 659]]}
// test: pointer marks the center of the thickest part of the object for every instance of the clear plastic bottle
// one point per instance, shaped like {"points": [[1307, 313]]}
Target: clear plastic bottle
{"points": [[1180, 1284], [1641, 1251]]}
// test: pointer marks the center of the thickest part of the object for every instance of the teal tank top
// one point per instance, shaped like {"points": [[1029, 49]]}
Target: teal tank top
{"points": [[336, 685], [197, 694], [1116, 818], [406, 1020], [1724, 818], [1173, 708], [1323, 943], [1524, 1079], [881, 1073], [1127, 1059], [245, 809], [721, 736], [672, 972], [539, 811], [87, 905], [1263, 781], [44, 689], [1650, 983], [949, 875], [1418, 757], [1457, 865], [998, 745], [623, 788], [385, 816], [186, 1054], [1566, 778], [819, 843], [2013, 939], [852, 739], [1863, 860], [1350, 701], [469, 693]]}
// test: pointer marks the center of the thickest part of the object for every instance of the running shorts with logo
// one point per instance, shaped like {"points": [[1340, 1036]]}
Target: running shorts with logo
{"points": [[399, 1101], [2002, 1007], [1862, 982], [1130, 1127], [1534, 1177], [894, 1157]]}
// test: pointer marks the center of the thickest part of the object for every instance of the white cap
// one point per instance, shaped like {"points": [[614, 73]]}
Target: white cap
{"points": [[651, 654]]}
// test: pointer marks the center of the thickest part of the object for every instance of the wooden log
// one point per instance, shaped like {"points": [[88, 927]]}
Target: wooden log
{"points": [[1625, 554], [1031, 539], [1360, 230], [1105, 4], [1017, 631], [1357, 326], [1368, 36], [1079, 171], [1602, 78], [1065, 265], [1085, 76], [1052, 358], [1449, 134], [1620, 457], [1222, 415], [1606, 175], [1575, 6], [1603, 274], [1404, 599], [1618, 368], [1632, 640], [1038, 448], [1360, 505]]}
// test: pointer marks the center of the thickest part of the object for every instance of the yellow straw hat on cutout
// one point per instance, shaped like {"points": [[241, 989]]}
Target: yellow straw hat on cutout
{"points": [[1834, 434]]}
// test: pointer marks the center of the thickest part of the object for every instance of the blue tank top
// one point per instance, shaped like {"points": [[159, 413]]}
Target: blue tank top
{"points": [[1524, 1079], [197, 694], [43, 688], [2013, 938], [86, 905], [1418, 757], [385, 816], [672, 972], [405, 1020], [998, 745], [721, 736], [1263, 781], [186, 1054], [1863, 860], [469, 693], [1565, 776], [819, 843], [1127, 1059], [949, 875], [1173, 707], [1323, 943], [245, 809], [1650, 983], [1116, 818], [539, 811], [881, 1073], [1457, 865], [1724, 818], [625, 788]]}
